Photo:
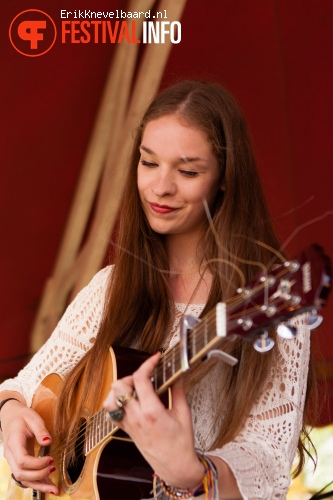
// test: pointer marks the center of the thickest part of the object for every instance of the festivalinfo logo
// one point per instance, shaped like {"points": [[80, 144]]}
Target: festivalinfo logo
{"points": [[33, 32]]}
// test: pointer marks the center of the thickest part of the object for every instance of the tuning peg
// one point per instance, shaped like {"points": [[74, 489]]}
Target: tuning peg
{"points": [[314, 320], [286, 331], [263, 343]]}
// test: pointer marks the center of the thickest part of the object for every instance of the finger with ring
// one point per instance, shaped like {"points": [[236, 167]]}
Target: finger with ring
{"points": [[18, 482], [123, 399], [116, 415]]}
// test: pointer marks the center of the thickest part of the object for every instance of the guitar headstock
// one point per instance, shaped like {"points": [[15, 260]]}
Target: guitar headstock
{"points": [[285, 290]]}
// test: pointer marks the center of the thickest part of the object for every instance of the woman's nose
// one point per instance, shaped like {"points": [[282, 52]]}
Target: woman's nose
{"points": [[164, 185]]}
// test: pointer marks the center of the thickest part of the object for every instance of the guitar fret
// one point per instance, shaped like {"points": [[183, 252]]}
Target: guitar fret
{"points": [[86, 441], [91, 435], [193, 345], [205, 331], [173, 362], [88, 432], [94, 438], [164, 370], [169, 366], [105, 422], [177, 360], [97, 434]]}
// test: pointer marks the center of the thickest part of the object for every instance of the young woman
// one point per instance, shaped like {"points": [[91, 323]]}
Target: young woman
{"points": [[194, 227]]}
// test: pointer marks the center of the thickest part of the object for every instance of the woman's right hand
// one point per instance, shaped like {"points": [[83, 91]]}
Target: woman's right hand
{"points": [[19, 425]]}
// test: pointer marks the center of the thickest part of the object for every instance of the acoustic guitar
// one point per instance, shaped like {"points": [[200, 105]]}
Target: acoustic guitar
{"points": [[109, 466]]}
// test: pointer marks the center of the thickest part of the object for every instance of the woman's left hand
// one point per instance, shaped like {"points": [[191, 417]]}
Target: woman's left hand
{"points": [[163, 436]]}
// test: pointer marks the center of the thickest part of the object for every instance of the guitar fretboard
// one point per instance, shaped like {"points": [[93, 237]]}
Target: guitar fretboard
{"points": [[98, 427], [275, 295], [200, 340], [206, 334]]}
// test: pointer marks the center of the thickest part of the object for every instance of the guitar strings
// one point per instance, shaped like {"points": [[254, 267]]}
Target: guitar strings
{"points": [[203, 327], [209, 319], [100, 418], [102, 421], [234, 301], [102, 414]]}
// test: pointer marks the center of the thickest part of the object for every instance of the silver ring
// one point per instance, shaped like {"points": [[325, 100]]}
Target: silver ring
{"points": [[18, 482], [116, 415]]}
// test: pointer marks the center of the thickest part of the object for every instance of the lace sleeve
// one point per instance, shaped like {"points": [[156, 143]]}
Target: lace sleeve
{"points": [[71, 339], [261, 456]]}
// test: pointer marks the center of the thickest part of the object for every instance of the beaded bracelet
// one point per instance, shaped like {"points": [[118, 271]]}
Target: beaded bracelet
{"points": [[208, 486], [3, 402], [172, 491]]}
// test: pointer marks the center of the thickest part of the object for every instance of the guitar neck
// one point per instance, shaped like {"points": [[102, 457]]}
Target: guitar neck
{"points": [[285, 290], [190, 350], [277, 294]]}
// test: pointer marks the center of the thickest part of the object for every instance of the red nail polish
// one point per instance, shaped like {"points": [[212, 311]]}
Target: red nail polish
{"points": [[52, 469], [51, 461], [47, 438], [52, 493]]}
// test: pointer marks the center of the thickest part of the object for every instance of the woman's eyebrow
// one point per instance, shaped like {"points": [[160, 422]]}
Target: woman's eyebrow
{"points": [[184, 159], [189, 159], [147, 150]]}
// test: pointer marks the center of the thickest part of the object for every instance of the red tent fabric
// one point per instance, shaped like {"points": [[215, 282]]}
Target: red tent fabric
{"points": [[274, 56]]}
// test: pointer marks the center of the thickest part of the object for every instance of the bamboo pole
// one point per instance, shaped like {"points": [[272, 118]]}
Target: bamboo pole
{"points": [[67, 264], [106, 158], [146, 85]]}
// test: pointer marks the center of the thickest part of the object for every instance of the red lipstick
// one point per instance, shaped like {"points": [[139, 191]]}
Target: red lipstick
{"points": [[161, 209]]}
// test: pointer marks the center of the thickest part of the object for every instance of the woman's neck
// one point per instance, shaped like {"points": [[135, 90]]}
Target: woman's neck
{"points": [[191, 289], [184, 254], [190, 279]]}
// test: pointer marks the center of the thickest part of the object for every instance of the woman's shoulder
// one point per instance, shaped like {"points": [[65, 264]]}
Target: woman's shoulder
{"points": [[100, 279], [94, 291], [103, 275]]}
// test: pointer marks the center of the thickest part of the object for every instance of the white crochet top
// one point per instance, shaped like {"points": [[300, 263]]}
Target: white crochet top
{"points": [[262, 454]]}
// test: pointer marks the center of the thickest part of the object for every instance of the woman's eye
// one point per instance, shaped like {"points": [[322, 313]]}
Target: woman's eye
{"points": [[189, 173], [148, 163]]}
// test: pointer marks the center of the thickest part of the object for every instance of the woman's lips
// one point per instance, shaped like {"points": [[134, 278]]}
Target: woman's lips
{"points": [[161, 209]]}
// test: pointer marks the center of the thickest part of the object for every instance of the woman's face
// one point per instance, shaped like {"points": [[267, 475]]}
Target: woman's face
{"points": [[176, 172]]}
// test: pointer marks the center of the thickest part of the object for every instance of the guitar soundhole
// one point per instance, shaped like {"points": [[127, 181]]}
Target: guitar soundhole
{"points": [[74, 468]]}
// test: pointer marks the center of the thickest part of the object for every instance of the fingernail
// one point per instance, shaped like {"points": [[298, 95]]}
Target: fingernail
{"points": [[52, 493], [46, 438], [52, 469], [51, 461]]}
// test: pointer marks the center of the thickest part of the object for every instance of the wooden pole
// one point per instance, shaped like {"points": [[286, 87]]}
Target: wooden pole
{"points": [[146, 85], [106, 159]]}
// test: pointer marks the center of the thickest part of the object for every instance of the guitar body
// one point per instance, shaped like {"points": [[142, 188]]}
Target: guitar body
{"points": [[114, 469]]}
